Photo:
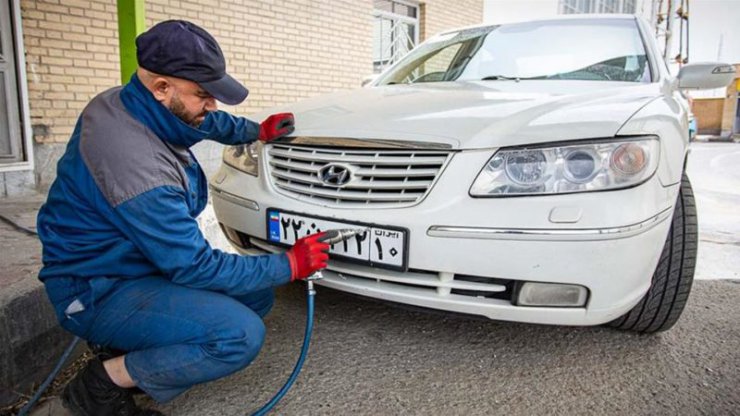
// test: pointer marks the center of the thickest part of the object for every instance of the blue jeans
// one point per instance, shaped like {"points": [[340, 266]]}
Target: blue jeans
{"points": [[176, 336]]}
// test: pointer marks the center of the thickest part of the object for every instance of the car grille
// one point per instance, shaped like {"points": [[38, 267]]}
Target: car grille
{"points": [[377, 177]]}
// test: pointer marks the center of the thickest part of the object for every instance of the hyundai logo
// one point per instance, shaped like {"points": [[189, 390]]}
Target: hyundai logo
{"points": [[335, 175]]}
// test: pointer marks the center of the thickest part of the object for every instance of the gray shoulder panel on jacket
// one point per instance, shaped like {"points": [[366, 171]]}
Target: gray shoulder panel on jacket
{"points": [[124, 157]]}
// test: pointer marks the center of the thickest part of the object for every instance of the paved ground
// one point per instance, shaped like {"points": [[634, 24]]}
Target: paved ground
{"points": [[370, 358], [714, 170], [374, 358]]}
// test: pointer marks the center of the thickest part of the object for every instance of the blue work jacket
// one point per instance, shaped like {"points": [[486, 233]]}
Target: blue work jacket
{"points": [[124, 203]]}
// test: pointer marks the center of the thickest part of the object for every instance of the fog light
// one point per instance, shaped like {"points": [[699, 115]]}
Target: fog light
{"points": [[551, 294]]}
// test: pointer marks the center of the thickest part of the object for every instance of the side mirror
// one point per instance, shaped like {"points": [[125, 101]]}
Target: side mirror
{"points": [[705, 75], [369, 79]]}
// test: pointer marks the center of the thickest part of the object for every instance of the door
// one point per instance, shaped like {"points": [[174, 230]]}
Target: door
{"points": [[11, 149]]}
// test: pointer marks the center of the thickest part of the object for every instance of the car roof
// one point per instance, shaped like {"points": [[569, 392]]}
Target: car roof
{"points": [[596, 17]]}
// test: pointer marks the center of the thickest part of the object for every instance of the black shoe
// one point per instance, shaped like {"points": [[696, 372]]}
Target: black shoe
{"points": [[93, 393], [104, 353]]}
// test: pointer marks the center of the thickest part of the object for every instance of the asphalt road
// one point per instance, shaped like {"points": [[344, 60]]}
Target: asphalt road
{"points": [[372, 358]]}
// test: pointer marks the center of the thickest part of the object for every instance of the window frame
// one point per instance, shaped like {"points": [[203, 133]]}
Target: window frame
{"points": [[380, 65], [569, 7], [27, 159]]}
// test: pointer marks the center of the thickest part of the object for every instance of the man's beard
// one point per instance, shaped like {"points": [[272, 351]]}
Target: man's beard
{"points": [[178, 108]]}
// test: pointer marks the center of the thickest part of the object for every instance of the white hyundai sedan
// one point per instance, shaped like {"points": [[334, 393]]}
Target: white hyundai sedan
{"points": [[530, 172]]}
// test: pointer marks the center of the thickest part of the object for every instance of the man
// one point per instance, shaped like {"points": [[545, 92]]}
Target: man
{"points": [[125, 264]]}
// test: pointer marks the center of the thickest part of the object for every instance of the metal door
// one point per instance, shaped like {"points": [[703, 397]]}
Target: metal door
{"points": [[11, 149]]}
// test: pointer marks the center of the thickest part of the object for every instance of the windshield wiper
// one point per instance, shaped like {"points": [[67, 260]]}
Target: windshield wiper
{"points": [[504, 77]]}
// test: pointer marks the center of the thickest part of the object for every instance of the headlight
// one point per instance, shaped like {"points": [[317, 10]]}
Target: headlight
{"points": [[244, 157], [593, 166]]}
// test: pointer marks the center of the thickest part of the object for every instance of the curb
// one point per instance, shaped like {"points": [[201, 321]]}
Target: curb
{"points": [[30, 344], [31, 340]]}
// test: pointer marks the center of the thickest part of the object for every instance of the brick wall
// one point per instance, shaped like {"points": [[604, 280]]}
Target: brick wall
{"points": [[729, 109], [71, 55], [282, 50], [439, 15], [708, 114]]}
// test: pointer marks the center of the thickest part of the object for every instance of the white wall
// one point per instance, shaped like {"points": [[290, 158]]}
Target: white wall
{"points": [[714, 30], [506, 11], [714, 35]]}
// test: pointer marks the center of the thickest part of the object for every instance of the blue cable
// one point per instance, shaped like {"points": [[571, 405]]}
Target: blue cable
{"points": [[24, 411], [298, 365]]}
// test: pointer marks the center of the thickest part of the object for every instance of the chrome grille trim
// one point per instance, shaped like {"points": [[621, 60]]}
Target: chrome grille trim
{"points": [[355, 157], [362, 143], [379, 177]]}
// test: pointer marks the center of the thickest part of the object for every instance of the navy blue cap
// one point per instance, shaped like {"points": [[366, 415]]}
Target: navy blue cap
{"points": [[184, 50]]}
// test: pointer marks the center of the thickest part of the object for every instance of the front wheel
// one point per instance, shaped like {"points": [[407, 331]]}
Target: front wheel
{"points": [[662, 305]]}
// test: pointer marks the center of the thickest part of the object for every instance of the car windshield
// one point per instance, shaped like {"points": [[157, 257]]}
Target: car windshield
{"points": [[572, 49]]}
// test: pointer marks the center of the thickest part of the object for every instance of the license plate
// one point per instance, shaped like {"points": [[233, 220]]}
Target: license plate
{"points": [[380, 246]]}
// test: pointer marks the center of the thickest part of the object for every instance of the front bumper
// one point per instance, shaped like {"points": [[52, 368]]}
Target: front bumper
{"points": [[465, 253]]}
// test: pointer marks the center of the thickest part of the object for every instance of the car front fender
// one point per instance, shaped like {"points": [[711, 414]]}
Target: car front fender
{"points": [[666, 118]]}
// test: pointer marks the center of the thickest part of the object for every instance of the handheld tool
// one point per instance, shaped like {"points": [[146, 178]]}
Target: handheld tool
{"points": [[332, 237], [329, 237], [337, 236]]}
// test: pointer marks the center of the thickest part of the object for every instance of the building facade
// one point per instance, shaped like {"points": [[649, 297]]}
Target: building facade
{"points": [[58, 54]]}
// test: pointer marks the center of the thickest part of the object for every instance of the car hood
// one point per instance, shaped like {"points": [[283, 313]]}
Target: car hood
{"points": [[470, 115]]}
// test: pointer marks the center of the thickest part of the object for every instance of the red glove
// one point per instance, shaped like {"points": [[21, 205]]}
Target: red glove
{"points": [[307, 256], [276, 126]]}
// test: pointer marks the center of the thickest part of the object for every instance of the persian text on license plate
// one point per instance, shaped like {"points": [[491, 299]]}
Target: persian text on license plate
{"points": [[379, 246]]}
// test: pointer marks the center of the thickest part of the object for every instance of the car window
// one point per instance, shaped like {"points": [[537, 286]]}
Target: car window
{"points": [[572, 49], [435, 68], [440, 58]]}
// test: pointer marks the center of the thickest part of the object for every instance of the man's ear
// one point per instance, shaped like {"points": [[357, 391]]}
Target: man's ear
{"points": [[161, 89]]}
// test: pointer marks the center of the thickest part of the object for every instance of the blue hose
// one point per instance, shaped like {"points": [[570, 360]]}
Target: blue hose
{"points": [[298, 365], [24, 411]]}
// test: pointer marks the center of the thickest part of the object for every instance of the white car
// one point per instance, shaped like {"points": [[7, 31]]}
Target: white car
{"points": [[530, 172]]}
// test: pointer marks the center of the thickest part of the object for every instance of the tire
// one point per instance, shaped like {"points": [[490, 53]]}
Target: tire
{"points": [[662, 305]]}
